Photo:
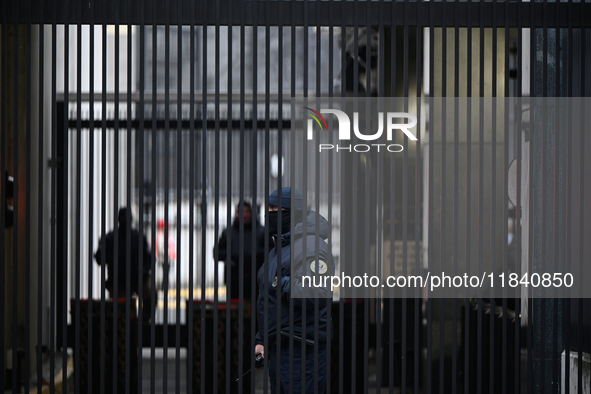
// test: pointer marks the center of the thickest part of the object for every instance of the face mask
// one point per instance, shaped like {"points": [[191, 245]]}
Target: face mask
{"points": [[273, 217]]}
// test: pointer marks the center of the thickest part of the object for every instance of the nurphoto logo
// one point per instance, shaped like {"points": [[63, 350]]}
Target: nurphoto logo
{"points": [[344, 130]]}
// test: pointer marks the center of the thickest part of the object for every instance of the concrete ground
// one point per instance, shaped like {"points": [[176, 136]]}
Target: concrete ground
{"points": [[156, 383]]}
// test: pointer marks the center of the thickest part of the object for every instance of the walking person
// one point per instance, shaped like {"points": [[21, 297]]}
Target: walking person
{"points": [[294, 261]]}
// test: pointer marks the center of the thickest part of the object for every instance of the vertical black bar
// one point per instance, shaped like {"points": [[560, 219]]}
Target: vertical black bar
{"points": [[128, 193], [518, 205], [581, 199], [404, 323], [91, 197], [304, 191], [380, 198], [456, 213], [481, 65], [229, 193], [493, 211], [442, 194], [116, 292], [118, 247], [329, 327], [116, 203], [252, 257], [229, 210], [506, 140], [355, 180], [15, 221], [367, 185], [559, 305], [541, 305], [217, 188], [192, 176], [140, 263], [52, 308], [29, 137], [341, 374], [127, 228], [293, 75], [533, 69], [40, 211], [78, 186], [61, 193], [192, 186], [430, 211], [3, 190], [128, 178], [317, 198], [204, 150], [154, 180], [292, 139], [569, 159], [505, 380], [166, 133], [468, 367], [391, 322], [544, 303], [279, 165], [62, 214], [418, 206], [230, 132], [559, 90], [584, 51], [179, 191], [140, 181], [103, 363], [279, 183]]}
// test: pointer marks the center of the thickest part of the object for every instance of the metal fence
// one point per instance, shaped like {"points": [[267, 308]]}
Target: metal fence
{"points": [[181, 109]]}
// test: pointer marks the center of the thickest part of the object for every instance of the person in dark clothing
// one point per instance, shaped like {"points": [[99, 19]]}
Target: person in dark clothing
{"points": [[282, 282], [250, 253], [107, 253]]}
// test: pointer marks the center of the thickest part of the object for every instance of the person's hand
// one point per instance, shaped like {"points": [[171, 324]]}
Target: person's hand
{"points": [[259, 349]]}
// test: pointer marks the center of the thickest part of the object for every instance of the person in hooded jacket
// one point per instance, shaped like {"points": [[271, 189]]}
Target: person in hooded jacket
{"points": [[300, 251], [113, 247], [246, 249]]}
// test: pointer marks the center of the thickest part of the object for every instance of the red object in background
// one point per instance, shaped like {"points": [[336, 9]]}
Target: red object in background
{"points": [[160, 241]]}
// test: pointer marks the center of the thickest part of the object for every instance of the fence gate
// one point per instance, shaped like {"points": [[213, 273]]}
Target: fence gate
{"points": [[455, 233]]}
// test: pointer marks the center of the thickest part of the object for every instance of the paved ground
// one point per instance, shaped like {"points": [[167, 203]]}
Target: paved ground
{"points": [[171, 386], [172, 366], [176, 374], [171, 382]]}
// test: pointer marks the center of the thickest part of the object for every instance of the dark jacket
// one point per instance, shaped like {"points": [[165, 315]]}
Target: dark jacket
{"points": [[250, 251], [310, 258], [107, 246]]}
